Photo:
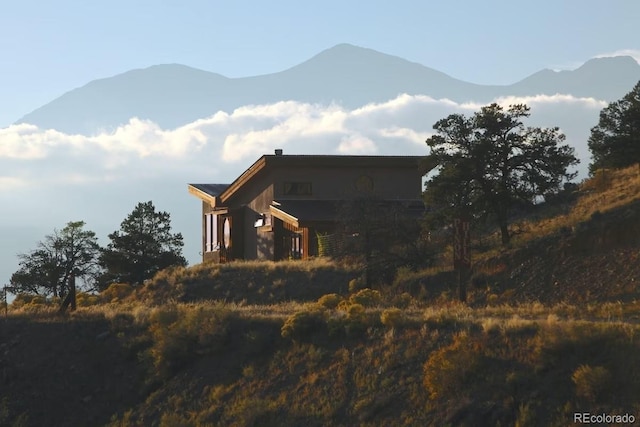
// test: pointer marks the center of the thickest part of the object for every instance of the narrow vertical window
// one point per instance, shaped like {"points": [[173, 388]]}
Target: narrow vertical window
{"points": [[211, 233], [215, 243], [207, 232]]}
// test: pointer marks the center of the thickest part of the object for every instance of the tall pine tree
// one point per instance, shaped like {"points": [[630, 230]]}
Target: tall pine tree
{"points": [[488, 163], [615, 141], [143, 246]]}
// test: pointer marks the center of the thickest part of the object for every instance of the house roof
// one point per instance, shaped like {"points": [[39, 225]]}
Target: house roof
{"points": [[296, 212], [325, 161], [207, 192], [300, 213], [217, 194]]}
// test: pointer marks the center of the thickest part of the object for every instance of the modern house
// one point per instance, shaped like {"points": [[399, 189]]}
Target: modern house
{"points": [[277, 207]]}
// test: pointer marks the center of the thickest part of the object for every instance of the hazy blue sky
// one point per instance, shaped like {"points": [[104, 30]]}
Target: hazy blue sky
{"points": [[50, 47]]}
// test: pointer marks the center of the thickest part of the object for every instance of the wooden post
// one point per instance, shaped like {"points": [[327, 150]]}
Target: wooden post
{"points": [[461, 255]]}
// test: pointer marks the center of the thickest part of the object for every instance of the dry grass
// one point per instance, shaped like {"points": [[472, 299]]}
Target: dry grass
{"points": [[415, 312], [422, 356], [606, 191], [307, 265]]}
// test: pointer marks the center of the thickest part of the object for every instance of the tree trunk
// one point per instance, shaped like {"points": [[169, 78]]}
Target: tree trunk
{"points": [[70, 298], [463, 278], [367, 260], [504, 232]]}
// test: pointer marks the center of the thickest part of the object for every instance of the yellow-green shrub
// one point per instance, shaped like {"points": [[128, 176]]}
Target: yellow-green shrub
{"points": [[116, 292], [302, 324], [366, 297], [330, 301], [84, 299], [171, 419], [355, 311], [450, 368], [403, 300], [392, 317], [356, 284], [180, 333], [23, 299], [354, 324], [592, 382]]}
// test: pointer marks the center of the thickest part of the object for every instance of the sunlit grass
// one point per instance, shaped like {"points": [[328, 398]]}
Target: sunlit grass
{"points": [[606, 191], [415, 312]]}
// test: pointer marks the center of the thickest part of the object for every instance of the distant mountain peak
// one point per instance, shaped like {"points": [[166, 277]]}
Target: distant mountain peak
{"points": [[346, 50], [611, 62], [171, 69], [175, 94], [628, 59]]}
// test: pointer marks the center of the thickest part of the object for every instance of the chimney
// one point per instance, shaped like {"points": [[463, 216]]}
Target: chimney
{"points": [[278, 151]]}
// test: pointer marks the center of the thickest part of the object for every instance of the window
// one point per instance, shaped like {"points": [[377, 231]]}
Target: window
{"points": [[292, 245], [297, 188], [296, 246], [211, 233]]}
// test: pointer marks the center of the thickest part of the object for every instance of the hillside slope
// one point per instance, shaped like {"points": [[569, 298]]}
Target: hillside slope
{"points": [[550, 330], [209, 365], [582, 251]]}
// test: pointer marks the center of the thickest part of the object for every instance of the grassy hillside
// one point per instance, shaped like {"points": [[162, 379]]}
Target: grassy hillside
{"points": [[551, 328], [293, 364], [582, 247]]}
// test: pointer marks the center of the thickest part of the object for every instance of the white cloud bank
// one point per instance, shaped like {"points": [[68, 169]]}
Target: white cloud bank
{"points": [[224, 144]]}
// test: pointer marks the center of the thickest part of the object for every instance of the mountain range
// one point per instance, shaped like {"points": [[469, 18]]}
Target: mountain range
{"points": [[173, 95]]}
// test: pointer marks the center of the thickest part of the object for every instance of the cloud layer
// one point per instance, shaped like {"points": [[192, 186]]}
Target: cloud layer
{"points": [[224, 144]]}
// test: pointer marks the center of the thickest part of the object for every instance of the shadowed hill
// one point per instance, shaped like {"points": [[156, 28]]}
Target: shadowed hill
{"points": [[65, 373], [551, 330]]}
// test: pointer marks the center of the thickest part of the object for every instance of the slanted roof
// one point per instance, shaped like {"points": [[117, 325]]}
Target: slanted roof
{"points": [[207, 192], [300, 213], [324, 161], [297, 212]]}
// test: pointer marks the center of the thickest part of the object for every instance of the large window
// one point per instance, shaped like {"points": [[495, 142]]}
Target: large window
{"points": [[297, 188], [211, 242], [292, 245]]}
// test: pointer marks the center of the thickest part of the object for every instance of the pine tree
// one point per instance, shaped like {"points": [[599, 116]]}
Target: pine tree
{"points": [[143, 246], [72, 251], [488, 163], [615, 141]]}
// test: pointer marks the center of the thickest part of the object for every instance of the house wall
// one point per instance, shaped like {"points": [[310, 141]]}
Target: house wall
{"points": [[341, 182], [255, 199], [327, 183], [265, 245]]}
